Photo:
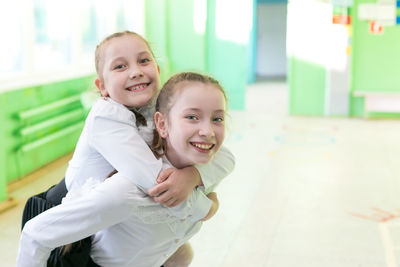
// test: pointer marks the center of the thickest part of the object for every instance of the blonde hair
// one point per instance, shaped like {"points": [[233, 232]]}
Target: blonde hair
{"points": [[164, 101], [98, 54]]}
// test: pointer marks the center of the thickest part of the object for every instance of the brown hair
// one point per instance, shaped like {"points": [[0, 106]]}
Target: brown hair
{"points": [[98, 54], [164, 101]]}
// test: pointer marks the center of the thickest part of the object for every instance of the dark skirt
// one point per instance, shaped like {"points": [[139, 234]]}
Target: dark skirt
{"points": [[79, 255]]}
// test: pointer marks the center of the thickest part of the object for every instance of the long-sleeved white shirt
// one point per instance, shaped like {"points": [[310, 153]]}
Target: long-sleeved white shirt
{"points": [[118, 206], [129, 228], [110, 140]]}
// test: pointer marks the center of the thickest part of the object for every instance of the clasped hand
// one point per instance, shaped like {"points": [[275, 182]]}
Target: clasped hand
{"points": [[175, 185]]}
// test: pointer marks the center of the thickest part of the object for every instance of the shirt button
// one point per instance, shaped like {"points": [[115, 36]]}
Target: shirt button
{"points": [[182, 220], [176, 240], [166, 255]]}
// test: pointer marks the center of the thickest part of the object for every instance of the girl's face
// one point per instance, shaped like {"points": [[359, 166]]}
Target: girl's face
{"points": [[195, 126], [130, 74]]}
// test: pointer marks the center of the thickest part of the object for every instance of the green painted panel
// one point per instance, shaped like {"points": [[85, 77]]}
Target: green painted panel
{"points": [[307, 88], [356, 106], [31, 114], [226, 61], [229, 70], [172, 28], [382, 115], [48, 148], [186, 38], [252, 48], [376, 57], [39, 130], [236, 100], [3, 163], [375, 62], [157, 34]]}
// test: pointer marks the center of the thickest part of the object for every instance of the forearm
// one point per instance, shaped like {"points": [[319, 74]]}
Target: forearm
{"points": [[121, 145], [194, 208], [217, 169], [171, 188], [104, 206], [211, 175]]}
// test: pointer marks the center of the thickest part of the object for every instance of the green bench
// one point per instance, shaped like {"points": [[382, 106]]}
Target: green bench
{"points": [[38, 125]]}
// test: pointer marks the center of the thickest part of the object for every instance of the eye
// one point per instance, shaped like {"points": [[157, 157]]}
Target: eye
{"points": [[119, 66], [218, 119], [144, 60], [191, 117]]}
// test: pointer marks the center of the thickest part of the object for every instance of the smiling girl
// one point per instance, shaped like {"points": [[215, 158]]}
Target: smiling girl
{"points": [[114, 139], [190, 125]]}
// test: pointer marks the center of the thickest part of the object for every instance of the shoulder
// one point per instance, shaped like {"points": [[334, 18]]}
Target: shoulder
{"points": [[111, 110]]}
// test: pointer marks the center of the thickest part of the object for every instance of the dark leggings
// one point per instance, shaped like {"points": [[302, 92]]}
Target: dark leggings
{"points": [[79, 255]]}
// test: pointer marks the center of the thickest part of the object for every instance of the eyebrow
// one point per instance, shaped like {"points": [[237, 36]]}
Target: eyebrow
{"points": [[198, 110], [116, 59]]}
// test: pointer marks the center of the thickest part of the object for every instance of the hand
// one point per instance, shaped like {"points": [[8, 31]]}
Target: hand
{"points": [[175, 185], [214, 206]]}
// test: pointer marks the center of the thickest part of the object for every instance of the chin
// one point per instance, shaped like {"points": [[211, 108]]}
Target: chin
{"points": [[143, 102], [203, 160]]}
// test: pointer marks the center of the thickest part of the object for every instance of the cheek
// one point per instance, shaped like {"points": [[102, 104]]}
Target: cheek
{"points": [[220, 134], [176, 136]]}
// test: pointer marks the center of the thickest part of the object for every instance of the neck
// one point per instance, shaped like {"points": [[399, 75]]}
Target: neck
{"points": [[174, 159]]}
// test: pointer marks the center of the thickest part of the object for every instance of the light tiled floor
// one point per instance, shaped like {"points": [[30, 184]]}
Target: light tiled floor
{"points": [[306, 191]]}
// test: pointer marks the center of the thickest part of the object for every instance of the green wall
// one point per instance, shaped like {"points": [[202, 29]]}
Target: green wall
{"points": [[157, 34], [252, 48], [306, 74], [226, 61], [374, 67], [3, 180], [375, 61], [171, 31], [187, 49], [307, 87]]}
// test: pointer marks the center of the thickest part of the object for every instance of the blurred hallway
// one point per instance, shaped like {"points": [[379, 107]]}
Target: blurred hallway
{"points": [[300, 188], [305, 192]]}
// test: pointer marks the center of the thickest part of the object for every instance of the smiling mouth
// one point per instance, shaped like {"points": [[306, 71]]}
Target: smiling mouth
{"points": [[138, 87], [202, 147]]}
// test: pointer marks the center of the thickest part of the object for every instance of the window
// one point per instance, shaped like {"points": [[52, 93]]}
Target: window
{"points": [[52, 46], [50, 38], [12, 30]]}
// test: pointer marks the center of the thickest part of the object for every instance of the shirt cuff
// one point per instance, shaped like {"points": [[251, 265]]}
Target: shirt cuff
{"points": [[31, 253], [203, 170], [201, 206]]}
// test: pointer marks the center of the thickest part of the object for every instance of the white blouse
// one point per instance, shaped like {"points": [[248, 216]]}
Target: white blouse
{"points": [[117, 210]]}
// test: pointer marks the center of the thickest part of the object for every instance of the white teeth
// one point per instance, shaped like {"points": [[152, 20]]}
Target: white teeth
{"points": [[137, 87], [203, 146]]}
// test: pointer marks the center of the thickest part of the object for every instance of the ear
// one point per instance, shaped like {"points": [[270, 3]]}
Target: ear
{"points": [[158, 69], [100, 85], [161, 124]]}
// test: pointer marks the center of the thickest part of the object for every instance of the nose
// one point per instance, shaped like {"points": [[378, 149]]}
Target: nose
{"points": [[136, 72], [206, 129]]}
